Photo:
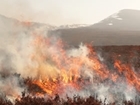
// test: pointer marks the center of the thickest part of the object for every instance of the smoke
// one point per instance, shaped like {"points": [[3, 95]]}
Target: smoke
{"points": [[32, 52], [36, 11], [15, 51]]}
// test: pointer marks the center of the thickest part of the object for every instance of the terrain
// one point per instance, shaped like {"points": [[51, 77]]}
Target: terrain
{"points": [[50, 60], [121, 28]]}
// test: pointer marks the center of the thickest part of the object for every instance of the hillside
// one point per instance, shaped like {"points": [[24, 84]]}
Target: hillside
{"points": [[122, 28]]}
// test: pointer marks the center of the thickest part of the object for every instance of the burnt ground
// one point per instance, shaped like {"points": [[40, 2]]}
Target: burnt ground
{"points": [[126, 54]]}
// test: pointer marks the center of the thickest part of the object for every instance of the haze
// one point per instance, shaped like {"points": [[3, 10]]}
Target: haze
{"points": [[59, 12]]}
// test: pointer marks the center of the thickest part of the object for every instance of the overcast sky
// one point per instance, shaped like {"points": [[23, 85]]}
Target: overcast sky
{"points": [[58, 12]]}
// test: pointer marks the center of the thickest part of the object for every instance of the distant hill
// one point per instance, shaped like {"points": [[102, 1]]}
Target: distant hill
{"points": [[122, 28], [126, 19]]}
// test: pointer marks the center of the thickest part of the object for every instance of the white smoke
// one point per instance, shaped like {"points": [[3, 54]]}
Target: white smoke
{"points": [[15, 52], [18, 45]]}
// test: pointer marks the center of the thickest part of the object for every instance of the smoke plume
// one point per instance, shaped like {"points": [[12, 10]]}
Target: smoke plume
{"points": [[31, 52]]}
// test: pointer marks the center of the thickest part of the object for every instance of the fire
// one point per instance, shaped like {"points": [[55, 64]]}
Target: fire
{"points": [[47, 86], [131, 77], [26, 23], [57, 69]]}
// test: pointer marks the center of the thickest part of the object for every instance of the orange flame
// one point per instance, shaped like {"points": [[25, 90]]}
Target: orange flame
{"points": [[55, 64]]}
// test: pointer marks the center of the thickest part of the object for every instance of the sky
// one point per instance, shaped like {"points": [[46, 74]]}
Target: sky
{"points": [[61, 12]]}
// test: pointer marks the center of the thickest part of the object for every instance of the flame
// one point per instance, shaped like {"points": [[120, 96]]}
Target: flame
{"points": [[26, 23], [131, 77], [56, 69]]}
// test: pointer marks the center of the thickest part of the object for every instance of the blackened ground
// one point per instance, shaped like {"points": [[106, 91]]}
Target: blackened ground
{"points": [[76, 100], [126, 54]]}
